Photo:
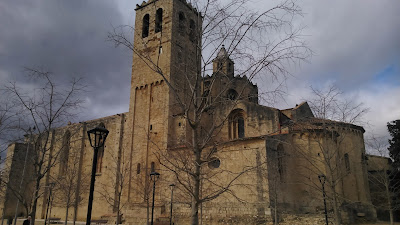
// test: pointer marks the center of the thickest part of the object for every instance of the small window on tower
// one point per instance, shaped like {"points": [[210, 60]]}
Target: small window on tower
{"points": [[159, 15], [181, 25], [138, 169], [220, 66], [145, 28], [280, 156], [152, 167], [192, 31], [180, 57], [230, 67], [347, 162]]}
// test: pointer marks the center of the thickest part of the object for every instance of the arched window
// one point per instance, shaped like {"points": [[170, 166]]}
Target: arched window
{"points": [[145, 26], [220, 65], [347, 162], [280, 154], [152, 167], [64, 153], [236, 124], [192, 31], [240, 122], [100, 155], [159, 18], [232, 94], [181, 23]]}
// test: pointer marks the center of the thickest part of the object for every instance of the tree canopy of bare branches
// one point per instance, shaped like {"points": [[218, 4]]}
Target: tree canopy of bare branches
{"points": [[330, 103], [383, 179], [42, 108]]}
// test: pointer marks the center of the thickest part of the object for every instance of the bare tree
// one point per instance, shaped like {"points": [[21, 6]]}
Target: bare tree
{"points": [[66, 178], [330, 103], [275, 179], [143, 189], [263, 43], [113, 188], [8, 121], [383, 178], [44, 108]]}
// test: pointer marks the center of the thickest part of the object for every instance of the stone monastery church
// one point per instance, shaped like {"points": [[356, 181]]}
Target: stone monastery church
{"points": [[252, 163]]}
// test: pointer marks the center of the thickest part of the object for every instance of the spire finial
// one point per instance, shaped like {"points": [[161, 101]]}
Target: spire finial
{"points": [[222, 53]]}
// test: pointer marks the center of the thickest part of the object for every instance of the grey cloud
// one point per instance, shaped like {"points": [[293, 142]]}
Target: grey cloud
{"points": [[69, 39], [352, 41]]}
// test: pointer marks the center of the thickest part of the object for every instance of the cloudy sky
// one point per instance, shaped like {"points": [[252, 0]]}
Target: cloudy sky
{"points": [[356, 46]]}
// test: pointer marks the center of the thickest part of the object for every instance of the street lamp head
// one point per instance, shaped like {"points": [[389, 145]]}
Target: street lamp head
{"points": [[172, 185], [51, 185], [97, 136], [322, 178], [154, 175]]}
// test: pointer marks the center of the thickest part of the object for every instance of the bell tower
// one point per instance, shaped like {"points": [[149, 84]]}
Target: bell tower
{"points": [[222, 64], [165, 61]]}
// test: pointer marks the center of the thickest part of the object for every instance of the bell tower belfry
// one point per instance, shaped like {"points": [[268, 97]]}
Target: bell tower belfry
{"points": [[222, 64], [165, 58]]}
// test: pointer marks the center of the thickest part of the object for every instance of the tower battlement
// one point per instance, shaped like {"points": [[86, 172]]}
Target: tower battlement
{"points": [[144, 4]]}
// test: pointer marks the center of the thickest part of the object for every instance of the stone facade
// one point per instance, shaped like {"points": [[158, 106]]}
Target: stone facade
{"points": [[283, 147]]}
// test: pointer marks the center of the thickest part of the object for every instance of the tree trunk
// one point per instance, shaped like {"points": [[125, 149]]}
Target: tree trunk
{"points": [[389, 202], [118, 212], [35, 199], [66, 213], [118, 208], [391, 217], [195, 212], [336, 210], [26, 209], [148, 210], [196, 192], [196, 180]]}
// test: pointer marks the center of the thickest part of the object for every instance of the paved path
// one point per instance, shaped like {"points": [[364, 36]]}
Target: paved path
{"points": [[41, 222]]}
